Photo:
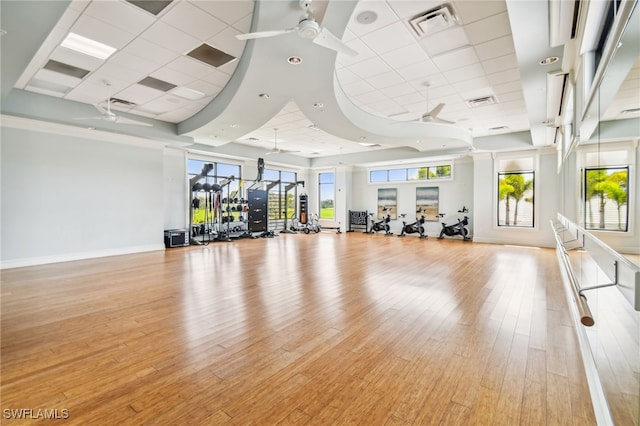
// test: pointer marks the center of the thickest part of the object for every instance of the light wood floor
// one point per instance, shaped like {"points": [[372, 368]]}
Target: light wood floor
{"points": [[298, 329]]}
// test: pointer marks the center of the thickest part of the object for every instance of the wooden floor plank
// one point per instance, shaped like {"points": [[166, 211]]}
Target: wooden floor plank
{"points": [[298, 329]]}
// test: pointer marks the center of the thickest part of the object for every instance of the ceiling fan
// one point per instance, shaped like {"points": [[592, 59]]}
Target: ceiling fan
{"points": [[107, 115], [432, 116], [307, 28], [275, 149]]}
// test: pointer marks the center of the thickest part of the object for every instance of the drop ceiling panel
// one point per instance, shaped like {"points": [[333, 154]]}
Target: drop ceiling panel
{"points": [[456, 58], [150, 51], [465, 73], [473, 11], [189, 67], [398, 90], [504, 76], [80, 60], [370, 67], [204, 87], [386, 79], [170, 38], [491, 28], [405, 56], [419, 70], [57, 78], [133, 63], [443, 41], [139, 94], [409, 8], [393, 36], [495, 48], [229, 11], [226, 41], [201, 25], [507, 62], [346, 76], [122, 15], [102, 32], [469, 85], [114, 71]]}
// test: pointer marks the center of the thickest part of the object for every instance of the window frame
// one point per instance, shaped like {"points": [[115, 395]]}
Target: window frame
{"points": [[333, 198]]}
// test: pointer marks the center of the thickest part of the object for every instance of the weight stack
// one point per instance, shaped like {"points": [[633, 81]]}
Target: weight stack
{"points": [[304, 208], [257, 202]]}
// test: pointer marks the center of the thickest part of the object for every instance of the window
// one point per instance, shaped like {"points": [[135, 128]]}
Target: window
{"points": [[279, 202], [217, 173], [515, 199], [411, 174], [605, 198], [327, 195]]}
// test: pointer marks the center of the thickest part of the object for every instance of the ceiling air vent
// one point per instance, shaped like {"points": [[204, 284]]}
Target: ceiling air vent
{"points": [[120, 101], [210, 55], [152, 6], [433, 20], [66, 69], [478, 102], [155, 83]]}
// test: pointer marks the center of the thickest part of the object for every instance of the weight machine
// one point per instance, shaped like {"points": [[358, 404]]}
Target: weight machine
{"points": [[287, 188], [194, 186]]}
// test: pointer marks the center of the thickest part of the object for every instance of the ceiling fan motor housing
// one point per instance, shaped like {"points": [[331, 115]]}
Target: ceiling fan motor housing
{"points": [[308, 28]]}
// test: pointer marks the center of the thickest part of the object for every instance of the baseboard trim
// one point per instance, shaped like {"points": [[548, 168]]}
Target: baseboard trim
{"points": [[34, 261]]}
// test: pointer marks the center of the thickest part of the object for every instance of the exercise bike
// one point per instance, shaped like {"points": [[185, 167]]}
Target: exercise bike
{"points": [[457, 228], [412, 228], [382, 225]]}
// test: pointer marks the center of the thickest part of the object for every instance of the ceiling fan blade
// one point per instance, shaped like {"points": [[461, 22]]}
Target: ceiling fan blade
{"points": [[87, 118], [440, 120], [326, 39], [264, 34], [436, 110]]}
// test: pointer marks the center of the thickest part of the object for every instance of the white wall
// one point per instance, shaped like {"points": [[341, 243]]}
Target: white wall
{"points": [[66, 198], [176, 199], [453, 195]]}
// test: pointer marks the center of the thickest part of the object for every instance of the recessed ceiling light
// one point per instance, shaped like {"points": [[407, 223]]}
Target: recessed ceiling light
{"points": [[549, 60], [318, 105], [294, 60], [87, 46], [264, 95], [366, 17]]}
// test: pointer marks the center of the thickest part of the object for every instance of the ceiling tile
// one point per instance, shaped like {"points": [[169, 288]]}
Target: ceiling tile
{"points": [[97, 30], [491, 28], [170, 38], [114, 71], [370, 67], [504, 76], [466, 86], [398, 90], [358, 88], [443, 41], [173, 76], [456, 58], [419, 70], [501, 63], [133, 63], [150, 51], [405, 56], [80, 60], [346, 76], [386, 79], [204, 87], [386, 39], [139, 94], [364, 53], [472, 11], [229, 11], [465, 73], [57, 78], [226, 41], [121, 14], [190, 67], [190, 19], [494, 48]]}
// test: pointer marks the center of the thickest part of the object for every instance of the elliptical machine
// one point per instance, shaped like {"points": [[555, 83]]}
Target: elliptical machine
{"points": [[412, 228], [382, 225], [458, 228]]}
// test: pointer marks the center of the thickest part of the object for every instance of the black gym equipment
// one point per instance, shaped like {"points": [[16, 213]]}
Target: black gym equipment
{"points": [[195, 202], [458, 228], [287, 188], [382, 225], [413, 228]]}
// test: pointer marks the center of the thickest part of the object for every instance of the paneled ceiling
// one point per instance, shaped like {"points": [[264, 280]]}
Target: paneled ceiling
{"points": [[411, 57]]}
